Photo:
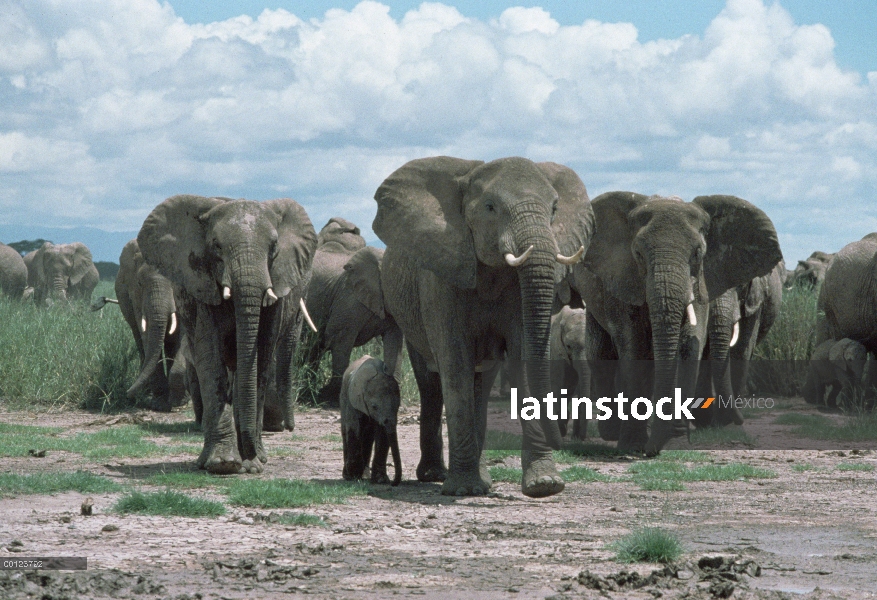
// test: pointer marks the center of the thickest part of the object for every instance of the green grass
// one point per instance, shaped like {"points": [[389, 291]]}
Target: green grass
{"points": [[52, 483], [683, 456], [66, 355], [852, 429], [168, 503], [649, 544], [506, 474], [290, 493], [855, 467], [186, 479], [801, 468], [669, 476], [584, 474], [718, 436]]}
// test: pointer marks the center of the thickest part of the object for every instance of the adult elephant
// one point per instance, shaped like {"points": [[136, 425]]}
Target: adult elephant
{"points": [[738, 320], [13, 272], [61, 272], [146, 299], [653, 266], [346, 303], [810, 273], [244, 267], [469, 274], [847, 302]]}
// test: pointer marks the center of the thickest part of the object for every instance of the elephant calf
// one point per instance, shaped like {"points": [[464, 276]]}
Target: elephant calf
{"points": [[836, 366], [569, 369], [370, 400]]}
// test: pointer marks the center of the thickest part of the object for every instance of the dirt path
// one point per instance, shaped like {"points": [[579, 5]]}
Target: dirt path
{"points": [[810, 532]]}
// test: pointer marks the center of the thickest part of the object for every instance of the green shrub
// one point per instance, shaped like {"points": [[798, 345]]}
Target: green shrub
{"points": [[649, 544], [168, 503]]}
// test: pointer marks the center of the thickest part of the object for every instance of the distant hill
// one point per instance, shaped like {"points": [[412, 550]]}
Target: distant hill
{"points": [[105, 246]]}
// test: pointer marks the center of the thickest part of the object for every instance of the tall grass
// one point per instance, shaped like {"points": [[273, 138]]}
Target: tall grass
{"points": [[65, 355], [783, 355]]}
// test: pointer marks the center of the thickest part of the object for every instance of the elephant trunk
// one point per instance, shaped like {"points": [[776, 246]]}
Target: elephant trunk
{"points": [[536, 277], [721, 330], [158, 306], [393, 440], [59, 287]]}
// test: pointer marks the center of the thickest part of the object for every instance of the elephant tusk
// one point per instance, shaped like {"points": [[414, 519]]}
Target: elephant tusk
{"points": [[226, 292], [143, 324], [692, 318], [735, 334], [304, 310], [173, 323], [270, 298], [571, 260], [514, 261]]}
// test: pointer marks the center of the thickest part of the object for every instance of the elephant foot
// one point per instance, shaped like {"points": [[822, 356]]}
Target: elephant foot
{"points": [[663, 432], [726, 417], [272, 420], [467, 483], [429, 472], [380, 476], [609, 430], [260, 452], [540, 478], [251, 466], [220, 458]]}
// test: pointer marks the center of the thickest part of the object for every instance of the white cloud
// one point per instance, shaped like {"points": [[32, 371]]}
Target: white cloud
{"points": [[111, 105]]}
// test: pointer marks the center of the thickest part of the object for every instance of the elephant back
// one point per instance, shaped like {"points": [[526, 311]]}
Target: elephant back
{"points": [[13, 272]]}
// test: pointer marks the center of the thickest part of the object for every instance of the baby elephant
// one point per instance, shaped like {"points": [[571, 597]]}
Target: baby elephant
{"points": [[369, 400], [836, 366]]}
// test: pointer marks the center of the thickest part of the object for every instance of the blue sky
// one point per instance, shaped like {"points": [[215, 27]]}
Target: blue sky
{"points": [[109, 106]]}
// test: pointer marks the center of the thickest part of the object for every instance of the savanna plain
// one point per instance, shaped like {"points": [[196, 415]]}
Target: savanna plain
{"points": [[713, 516]]}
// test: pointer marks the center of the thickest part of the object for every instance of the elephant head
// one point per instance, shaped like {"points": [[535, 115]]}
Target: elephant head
{"points": [[243, 257], [669, 255], [466, 220], [57, 268], [340, 235], [810, 273]]}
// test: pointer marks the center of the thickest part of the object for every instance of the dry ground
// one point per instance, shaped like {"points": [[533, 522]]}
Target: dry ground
{"points": [[810, 534]]}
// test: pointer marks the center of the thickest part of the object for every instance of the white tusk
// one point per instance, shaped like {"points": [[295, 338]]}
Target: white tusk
{"points": [[692, 318], [304, 310], [173, 323], [226, 292], [270, 298], [735, 334], [571, 260], [514, 261], [143, 324]]}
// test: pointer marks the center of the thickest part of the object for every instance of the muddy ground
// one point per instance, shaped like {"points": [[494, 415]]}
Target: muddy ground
{"points": [[803, 534]]}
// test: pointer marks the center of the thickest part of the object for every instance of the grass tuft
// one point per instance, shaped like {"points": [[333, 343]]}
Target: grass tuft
{"points": [[855, 467], [506, 474], [668, 476], [649, 544], [168, 503], [290, 493], [53, 483], [861, 428], [585, 474]]}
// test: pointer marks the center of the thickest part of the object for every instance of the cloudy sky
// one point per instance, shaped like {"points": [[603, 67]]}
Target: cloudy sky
{"points": [[109, 106]]}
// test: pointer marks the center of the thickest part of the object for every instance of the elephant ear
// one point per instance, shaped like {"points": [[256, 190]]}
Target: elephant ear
{"points": [[363, 272], [741, 243], [609, 256], [296, 244], [340, 235], [573, 225], [172, 240], [82, 262], [420, 211]]}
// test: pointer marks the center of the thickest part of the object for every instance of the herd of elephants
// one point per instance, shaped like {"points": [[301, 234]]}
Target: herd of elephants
{"points": [[484, 262]]}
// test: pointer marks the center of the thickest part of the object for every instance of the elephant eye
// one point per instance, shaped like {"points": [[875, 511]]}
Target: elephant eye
{"points": [[490, 207], [274, 250]]}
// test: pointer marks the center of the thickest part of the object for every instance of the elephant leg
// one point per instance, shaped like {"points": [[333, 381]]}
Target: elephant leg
{"points": [[341, 351], [481, 397], [220, 454], [600, 352], [355, 462], [368, 430], [280, 414], [382, 450], [392, 341], [347, 441], [432, 463], [177, 382]]}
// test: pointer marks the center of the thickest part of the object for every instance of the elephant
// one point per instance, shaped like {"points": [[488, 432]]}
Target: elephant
{"points": [[61, 272], [242, 269], [809, 273], [146, 299], [738, 320], [13, 272], [569, 367], [653, 266], [346, 303], [837, 366], [370, 400], [474, 250]]}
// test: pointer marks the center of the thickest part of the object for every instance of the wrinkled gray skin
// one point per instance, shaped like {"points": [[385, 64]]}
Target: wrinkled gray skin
{"points": [[753, 307], [650, 259], [369, 403], [146, 299], [243, 267], [61, 272], [346, 303], [810, 273], [569, 369], [838, 367], [448, 224], [13, 272]]}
